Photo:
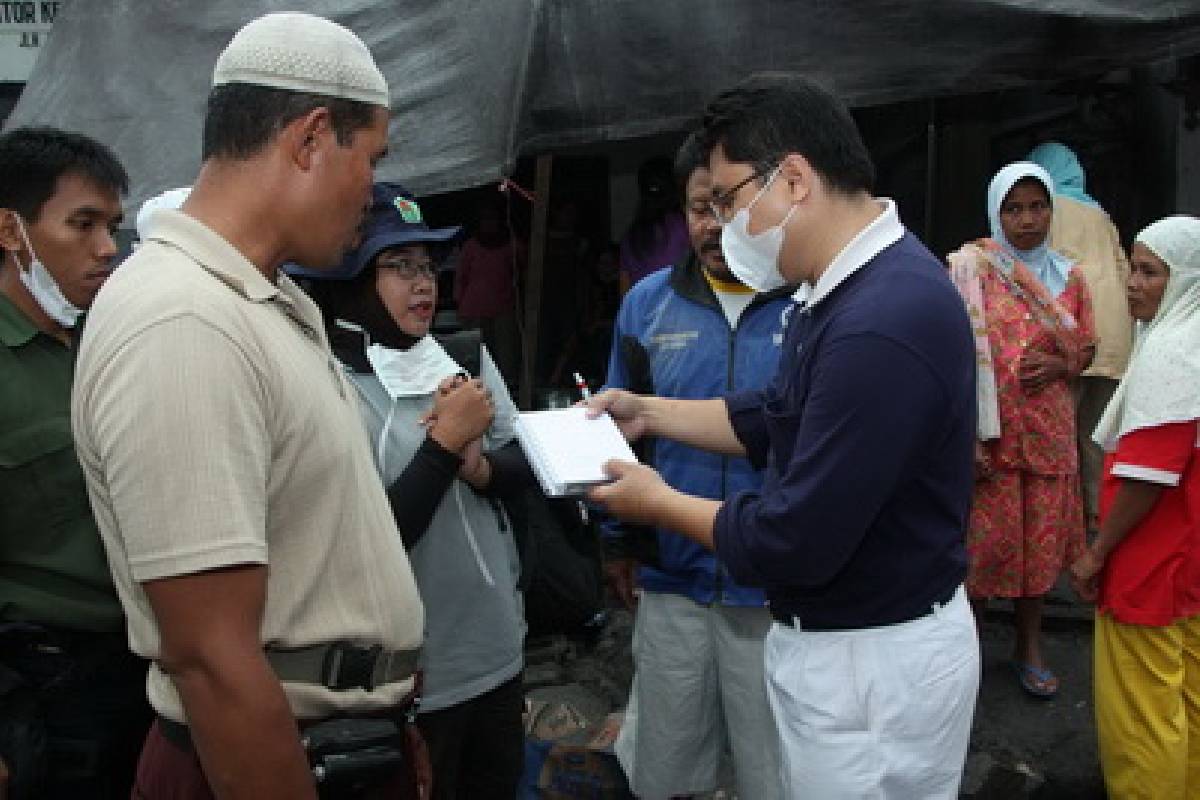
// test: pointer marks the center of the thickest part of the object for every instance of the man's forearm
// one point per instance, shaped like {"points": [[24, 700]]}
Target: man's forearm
{"points": [[700, 423], [693, 517], [243, 730]]}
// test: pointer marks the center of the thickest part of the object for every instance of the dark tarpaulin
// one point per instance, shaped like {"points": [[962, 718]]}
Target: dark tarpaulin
{"points": [[476, 83]]}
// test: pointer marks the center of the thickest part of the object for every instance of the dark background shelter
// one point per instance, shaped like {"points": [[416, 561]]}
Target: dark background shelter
{"points": [[944, 90], [478, 83]]}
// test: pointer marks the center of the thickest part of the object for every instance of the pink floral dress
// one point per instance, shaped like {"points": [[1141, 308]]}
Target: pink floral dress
{"points": [[1027, 517]]}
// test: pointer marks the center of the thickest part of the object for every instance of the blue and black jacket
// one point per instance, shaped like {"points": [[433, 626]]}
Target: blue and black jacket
{"points": [[672, 339]]}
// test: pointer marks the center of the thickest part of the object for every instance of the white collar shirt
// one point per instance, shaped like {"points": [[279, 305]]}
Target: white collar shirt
{"points": [[883, 232]]}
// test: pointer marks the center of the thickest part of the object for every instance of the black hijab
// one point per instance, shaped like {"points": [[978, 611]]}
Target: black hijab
{"points": [[357, 302]]}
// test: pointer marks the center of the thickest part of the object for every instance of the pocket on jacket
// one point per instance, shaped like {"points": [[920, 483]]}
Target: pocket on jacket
{"points": [[40, 475]]}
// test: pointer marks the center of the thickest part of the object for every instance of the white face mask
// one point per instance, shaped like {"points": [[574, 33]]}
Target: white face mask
{"points": [[413, 372], [754, 258], [44, 288]]}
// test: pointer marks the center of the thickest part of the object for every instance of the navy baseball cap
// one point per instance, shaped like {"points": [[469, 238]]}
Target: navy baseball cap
{"points": [[393, 219]]}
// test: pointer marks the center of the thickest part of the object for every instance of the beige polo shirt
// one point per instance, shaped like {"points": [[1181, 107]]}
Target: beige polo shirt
{"points": [[215, 428]]}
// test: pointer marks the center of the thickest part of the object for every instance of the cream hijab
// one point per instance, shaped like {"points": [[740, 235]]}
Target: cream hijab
{"points": [[1162, 384]]}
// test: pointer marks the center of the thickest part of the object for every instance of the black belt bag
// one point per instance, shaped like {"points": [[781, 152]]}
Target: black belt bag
{"points": [[350, 755]]}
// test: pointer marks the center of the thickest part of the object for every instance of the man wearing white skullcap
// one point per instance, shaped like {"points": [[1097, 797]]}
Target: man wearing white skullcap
{"points": [[251, 541], [1143, 570]]}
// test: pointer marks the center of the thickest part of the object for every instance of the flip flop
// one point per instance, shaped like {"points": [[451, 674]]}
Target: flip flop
{"points": [[1037, 682]]}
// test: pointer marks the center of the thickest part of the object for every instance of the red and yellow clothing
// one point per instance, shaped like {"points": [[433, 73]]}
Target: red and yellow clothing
{"points": [[1147, 695], [1147, 644], [1152, 577]]}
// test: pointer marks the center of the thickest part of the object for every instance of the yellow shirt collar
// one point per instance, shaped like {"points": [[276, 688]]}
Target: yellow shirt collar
{"points": [[729, 287]]}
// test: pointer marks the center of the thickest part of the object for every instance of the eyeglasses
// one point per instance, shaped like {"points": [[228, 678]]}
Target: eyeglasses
{"points": [[722, 204], [407, 268]]}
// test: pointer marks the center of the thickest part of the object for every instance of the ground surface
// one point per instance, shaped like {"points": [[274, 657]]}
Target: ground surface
{"points": [[1021, 747]]}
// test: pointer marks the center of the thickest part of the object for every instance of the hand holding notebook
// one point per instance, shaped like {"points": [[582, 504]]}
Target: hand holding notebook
{"points": [[567, 451]]}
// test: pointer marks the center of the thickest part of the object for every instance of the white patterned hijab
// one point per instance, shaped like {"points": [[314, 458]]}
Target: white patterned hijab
{"points": [[1162, 384], [1048, 266]]}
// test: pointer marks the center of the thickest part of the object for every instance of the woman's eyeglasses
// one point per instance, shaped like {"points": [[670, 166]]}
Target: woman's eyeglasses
{"points": [[408, 268]]}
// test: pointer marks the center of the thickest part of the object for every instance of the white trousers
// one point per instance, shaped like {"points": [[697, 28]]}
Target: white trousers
{"points": [[876, 714], [699, 687]]}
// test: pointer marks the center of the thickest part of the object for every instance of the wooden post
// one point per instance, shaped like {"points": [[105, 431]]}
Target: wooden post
{"points": [[533, 281]]}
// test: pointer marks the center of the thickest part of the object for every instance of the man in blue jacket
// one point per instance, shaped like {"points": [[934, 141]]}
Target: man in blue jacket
{"points": [[695, 331], [867, 434]]}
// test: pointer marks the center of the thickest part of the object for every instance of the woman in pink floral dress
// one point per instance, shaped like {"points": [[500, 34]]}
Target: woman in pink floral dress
{"points": [[1034, 335]]}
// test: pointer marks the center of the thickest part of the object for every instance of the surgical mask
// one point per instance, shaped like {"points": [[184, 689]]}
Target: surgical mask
{"points": [[754, 258], [44, 288], [413, 372]]}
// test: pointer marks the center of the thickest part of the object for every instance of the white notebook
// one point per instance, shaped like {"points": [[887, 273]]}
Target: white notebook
{"points": [[567, 450]]}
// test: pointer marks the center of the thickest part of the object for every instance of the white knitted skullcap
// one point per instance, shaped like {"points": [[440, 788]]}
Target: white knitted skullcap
{"points": [[302, 53], [170, 199]]}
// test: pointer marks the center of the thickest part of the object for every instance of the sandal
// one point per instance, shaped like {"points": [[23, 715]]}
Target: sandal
{"points": [[1037, 682]]}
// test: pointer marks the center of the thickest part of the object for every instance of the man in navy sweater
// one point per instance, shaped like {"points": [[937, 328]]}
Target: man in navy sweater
{"points": [[866, 435]]}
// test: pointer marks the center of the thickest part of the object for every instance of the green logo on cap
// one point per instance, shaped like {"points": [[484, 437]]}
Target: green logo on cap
{"points": [[410, 212]]}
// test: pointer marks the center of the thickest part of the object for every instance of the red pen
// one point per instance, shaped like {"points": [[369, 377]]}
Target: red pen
{"points": [[582, 386]]}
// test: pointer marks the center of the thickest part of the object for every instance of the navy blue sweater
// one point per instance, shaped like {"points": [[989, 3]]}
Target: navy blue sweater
{"points": [[867, 435]]}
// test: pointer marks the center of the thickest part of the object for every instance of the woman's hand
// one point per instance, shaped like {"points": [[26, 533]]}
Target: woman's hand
{"points": [[1085, 575], [1038, 370], [983, 462], [462, 412], [476, 469]]}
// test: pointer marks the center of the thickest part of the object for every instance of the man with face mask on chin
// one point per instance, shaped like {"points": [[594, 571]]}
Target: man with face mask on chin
{"points": [[695, 330], [62, 639], [866, 435]]}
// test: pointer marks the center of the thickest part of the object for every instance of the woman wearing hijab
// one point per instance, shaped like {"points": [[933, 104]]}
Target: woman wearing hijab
{"points": [[1033, 328], [445, 448], [1143, 570]]}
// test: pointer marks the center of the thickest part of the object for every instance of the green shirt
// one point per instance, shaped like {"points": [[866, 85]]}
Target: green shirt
{"points": [[53, 570]]}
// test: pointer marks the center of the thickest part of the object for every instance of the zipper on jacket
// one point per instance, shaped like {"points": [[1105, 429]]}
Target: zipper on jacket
{"points": [[710, 301], [729, 377]]}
